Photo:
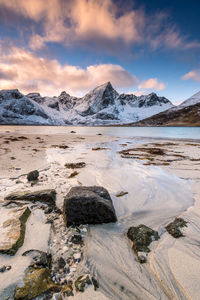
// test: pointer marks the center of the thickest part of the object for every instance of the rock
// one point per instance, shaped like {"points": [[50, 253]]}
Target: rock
{"points": [[95, 283], [63, 146], [48, 210], [44, 196], [72, 269], [5, 268], [36, 282], [82, 282], [98, 148], [142, 236], [68, 290], [39, 258], [142, 259], [57, 210], [76, 239], [33, 175], [121, 193], [60, 263], [75, 165], [173, 228], [77, 256], [73, 174], [14, 231], [88, 205]]}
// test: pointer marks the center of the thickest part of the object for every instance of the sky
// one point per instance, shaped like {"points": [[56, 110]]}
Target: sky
{"points": [[140, 46]]}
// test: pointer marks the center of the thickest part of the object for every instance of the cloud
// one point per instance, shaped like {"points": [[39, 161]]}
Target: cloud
{"points": [[152, 84], [137, 93], [162, 33], [79, 20], [194, 74], [102, 24], [26, 71]]}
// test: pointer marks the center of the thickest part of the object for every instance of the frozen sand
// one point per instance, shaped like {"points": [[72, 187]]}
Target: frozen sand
{"points": [[155, 196]]}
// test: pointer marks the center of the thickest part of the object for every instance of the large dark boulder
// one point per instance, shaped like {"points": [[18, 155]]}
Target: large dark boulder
{"points": [[88, 205]]}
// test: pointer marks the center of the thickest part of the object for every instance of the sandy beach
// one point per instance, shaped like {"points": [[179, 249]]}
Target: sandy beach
{"points": [[161, 178]]}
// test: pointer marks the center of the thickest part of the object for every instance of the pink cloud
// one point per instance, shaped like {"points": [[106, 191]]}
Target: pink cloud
{"points": [[101, 24], [194, 74], [24, 70], [152, 84]]}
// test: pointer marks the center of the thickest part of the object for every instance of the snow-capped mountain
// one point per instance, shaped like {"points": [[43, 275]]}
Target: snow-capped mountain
{"points": [[101, 106], [191, 101], [15, 108], [185, 114]]}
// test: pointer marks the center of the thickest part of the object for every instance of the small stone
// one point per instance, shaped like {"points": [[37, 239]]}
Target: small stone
{"points": [[48, 210], [98, 148], [95, 283], [60, 263], [18, 181], [121, 193], [142, 259], [173, 228], [77, 255], [5, 268], [65, 248], [77, 239], [82, 282], [33, 175], [39, 258], [72, 269], [142, 236], [73, 174], [77, 165], [68, 290]]}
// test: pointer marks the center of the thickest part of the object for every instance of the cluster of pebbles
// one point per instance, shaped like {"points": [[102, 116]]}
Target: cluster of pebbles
{"points": [[66, 248], [66, 244]]}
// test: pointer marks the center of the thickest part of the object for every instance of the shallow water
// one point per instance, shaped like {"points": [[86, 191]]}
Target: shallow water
{"points": [[154, 132], [154, 198]]}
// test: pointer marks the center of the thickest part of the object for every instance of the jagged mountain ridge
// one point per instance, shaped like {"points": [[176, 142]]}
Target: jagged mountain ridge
{"points": [[185, 114], [15, 108], [101, 106]]}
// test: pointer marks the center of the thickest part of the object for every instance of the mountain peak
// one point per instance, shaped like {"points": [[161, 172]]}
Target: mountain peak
{"points": [[104, 86], [192, 100]]}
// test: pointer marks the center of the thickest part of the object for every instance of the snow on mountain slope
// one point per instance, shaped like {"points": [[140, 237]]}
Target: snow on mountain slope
{"points": [[185, 114], [191, 101], [101, 106], [15, 108], [98, 99]]}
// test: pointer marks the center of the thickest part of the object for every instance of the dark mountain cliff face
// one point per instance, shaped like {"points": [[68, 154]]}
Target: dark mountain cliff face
{"points": [[144, 100]]}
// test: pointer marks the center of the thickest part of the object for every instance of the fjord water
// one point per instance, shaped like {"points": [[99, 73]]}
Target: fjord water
{"points": [[154, 132]]}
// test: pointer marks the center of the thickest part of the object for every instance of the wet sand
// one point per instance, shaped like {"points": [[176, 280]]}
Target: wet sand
{"points": [[159, 190]]}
